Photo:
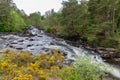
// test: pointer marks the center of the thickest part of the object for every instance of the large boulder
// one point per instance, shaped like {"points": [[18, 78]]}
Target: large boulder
{"points": [[31, 31]]}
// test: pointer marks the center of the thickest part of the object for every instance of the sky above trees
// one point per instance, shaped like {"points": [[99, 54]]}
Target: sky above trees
{"points": [[30, 6]]}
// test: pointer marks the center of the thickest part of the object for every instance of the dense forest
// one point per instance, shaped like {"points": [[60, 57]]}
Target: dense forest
{"points": [[95, 21]]}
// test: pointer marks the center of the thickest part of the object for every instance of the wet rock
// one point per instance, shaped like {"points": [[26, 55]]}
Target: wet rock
{"points": [[32, 31], [32, 49], [108, 77], [14, 43], [29, 45], [106, 53], [40, 36], [46, 50], [117, 59], [19, 48], [31, 39], [1, 39], [11, 46], [38, 45], [20, 40], [110, 49]]}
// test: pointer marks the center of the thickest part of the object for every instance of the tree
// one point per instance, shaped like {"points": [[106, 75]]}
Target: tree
{"points": [[4, 14], [17, 22], [69, 18], [34, 19], [74, 18], [10, 20], [102, 15], [51, 18]]}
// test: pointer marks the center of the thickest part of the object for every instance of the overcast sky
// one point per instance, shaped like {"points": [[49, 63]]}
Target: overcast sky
{"points": [[30, 6]]}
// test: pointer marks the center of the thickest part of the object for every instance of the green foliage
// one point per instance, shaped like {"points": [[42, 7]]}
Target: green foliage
{"points": [[17, 22], [51, 30], [88, 69], [118, 50], [110, 43], [70, 18], [1, 58], [83, 69], [66, 74], [4, 14], [47, 29], [10, 20], [93, 41], [87, 19], [34, 19]]}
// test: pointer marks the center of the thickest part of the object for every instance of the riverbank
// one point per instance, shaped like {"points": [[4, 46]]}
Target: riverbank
{"points": [[109, 55]]}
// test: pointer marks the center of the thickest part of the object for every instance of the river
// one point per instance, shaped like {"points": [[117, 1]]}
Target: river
{"points": [[36, 41]]}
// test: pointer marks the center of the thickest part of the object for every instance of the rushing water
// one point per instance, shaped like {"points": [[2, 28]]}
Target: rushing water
{"points": [[35, 41]]}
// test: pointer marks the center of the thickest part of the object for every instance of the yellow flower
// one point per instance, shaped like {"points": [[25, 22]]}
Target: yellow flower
{"points": [[31, 69], [4, 65], [23, 77], [20, 76], [17, 72], [43, 77], [15, 65], [51, 60], [57, 67], [25, 54], [26, 78], [52, 71], [34, 65], [15, 78], [30, 76], [40, 72], [62, 57]]}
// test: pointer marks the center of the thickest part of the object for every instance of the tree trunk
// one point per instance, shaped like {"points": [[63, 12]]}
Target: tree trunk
{"points": [[113, 14]]}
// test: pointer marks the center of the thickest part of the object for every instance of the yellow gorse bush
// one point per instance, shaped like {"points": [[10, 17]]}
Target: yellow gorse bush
{"points": [[25, 66], [23, 77], [4, 65]]}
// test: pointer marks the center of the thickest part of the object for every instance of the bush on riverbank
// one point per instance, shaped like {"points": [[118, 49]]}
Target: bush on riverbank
{"points": [[82, 70], [25, 66]]}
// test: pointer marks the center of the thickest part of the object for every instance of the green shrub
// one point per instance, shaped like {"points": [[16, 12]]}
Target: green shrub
{"points": [[1, 58], [83, 70], [52, 30], [47, 29], [109, 43], [93, 41]]}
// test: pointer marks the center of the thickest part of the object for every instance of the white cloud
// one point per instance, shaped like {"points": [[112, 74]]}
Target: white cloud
{"points": [[30, 6]]}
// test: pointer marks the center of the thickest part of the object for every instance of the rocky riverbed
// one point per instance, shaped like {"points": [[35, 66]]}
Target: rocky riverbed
{"points": [[36, 41]]}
